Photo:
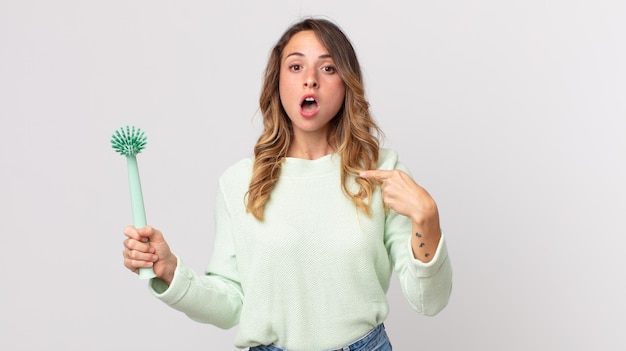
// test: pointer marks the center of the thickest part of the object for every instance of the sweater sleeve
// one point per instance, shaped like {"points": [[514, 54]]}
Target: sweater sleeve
{"points": [[426, 286], [215, 297]]}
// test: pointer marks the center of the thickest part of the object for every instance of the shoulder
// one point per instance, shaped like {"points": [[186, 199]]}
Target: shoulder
{"points": [[389, 159], [238, 173]]}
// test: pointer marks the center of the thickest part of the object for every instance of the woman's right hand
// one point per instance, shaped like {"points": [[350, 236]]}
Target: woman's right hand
{"points": [[139, 254]]}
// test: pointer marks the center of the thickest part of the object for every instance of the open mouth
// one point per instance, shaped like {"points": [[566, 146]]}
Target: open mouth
{"points": [[309, 104]]}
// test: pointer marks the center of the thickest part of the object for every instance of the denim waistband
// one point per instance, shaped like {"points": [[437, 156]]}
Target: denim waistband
{"points": [[365, 343]]}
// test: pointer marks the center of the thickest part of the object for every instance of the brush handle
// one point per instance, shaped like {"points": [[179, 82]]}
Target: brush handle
{"points": [[136, 202]]}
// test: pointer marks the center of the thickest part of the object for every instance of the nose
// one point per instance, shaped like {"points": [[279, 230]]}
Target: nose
{"points": [[310, 81]]}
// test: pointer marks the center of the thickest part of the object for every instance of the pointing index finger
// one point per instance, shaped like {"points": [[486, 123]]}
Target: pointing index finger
{"points": [[380, 174]]}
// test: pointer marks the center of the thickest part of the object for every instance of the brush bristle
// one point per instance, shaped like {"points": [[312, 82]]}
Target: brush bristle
{"points": [[128, 141]]}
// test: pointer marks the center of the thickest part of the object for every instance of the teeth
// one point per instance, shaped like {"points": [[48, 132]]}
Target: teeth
{"points": [[309, 99]]}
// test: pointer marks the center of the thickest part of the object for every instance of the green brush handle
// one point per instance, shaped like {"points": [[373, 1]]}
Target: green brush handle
{"points": [[136, 201]]}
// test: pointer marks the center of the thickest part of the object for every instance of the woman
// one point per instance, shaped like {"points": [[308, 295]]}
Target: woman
{"points": [[309, 230]]}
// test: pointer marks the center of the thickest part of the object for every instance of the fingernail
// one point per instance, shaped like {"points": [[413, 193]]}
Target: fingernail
{"points": [[362, 174]]}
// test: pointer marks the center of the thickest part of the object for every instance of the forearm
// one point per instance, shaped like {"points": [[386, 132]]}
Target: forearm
{"points": [[427, 286], [425, 237], [207, 299]]}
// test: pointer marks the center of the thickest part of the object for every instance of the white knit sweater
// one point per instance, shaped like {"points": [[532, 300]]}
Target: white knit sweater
{"points": [[314, 274]]}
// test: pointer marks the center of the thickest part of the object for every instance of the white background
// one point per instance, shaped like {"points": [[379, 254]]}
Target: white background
{"points": [[511, 113]]}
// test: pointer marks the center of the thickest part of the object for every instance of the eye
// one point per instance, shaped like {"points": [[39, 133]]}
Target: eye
{"points": [[295, 67], [329, 69]]}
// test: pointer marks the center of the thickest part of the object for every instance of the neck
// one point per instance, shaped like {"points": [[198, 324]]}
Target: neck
{"points": [[310, 149]]}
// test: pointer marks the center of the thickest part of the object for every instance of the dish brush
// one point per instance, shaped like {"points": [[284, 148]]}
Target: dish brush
{"points": [[129, 142]]}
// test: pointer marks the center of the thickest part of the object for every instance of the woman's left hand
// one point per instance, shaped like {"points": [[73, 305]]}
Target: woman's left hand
{"points": [[403, 195]]}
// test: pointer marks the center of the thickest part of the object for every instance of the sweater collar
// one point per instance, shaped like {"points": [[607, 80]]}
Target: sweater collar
{"points": [[300, 167]]}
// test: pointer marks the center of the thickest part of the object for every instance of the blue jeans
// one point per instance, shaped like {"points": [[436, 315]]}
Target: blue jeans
{"points": [[375, 340]]}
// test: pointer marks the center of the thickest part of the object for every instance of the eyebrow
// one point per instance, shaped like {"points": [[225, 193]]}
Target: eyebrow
{"points": [[296, 53]]}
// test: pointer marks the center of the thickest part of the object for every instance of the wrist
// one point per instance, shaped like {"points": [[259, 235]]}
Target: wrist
{"points": [[424, 212], [169, 269]]}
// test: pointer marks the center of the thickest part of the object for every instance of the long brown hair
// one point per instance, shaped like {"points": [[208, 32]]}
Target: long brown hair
{"points": [[353, 131]]}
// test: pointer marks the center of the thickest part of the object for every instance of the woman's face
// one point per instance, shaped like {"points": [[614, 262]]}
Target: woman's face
{"points": [[311, 91]]}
